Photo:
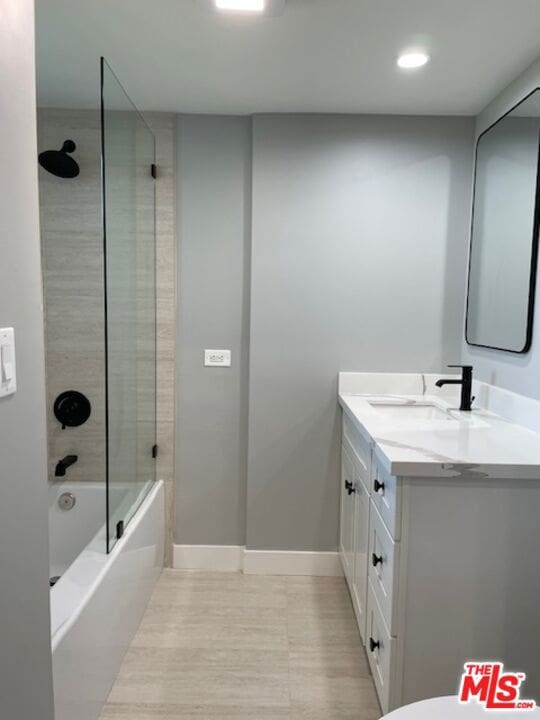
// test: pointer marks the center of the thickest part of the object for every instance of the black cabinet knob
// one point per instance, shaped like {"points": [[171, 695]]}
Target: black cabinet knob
{"points": [[378, 486], [349, 487], [373, 645], [376, 559]]}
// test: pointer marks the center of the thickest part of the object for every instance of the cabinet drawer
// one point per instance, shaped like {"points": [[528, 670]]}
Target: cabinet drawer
{"points": [[386, 495], [360, 447], [380, 648], [383, 562]]}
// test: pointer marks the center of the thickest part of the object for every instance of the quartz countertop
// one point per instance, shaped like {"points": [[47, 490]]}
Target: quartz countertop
{"points": [[424, 434]]}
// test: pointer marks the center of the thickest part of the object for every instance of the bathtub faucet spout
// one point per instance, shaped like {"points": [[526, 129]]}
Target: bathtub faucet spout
{"points": [[63, 464]]}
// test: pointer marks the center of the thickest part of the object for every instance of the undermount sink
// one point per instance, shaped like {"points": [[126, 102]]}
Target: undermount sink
{"points": [[419, 412]]}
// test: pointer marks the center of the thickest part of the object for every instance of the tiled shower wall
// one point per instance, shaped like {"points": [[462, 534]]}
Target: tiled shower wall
{"points": [[72, 252], [72, 257], [164, 128]]}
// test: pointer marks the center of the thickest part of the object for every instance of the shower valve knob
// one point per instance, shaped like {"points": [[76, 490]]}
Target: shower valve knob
{"points": [[71, 409]]}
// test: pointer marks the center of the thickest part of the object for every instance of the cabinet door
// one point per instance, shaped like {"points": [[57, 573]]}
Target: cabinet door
{"points": [[346, 536], [383, 564], [380, 652], [361, 540]]}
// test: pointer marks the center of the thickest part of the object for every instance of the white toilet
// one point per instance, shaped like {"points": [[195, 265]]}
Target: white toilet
{"points": [[448, 708]]}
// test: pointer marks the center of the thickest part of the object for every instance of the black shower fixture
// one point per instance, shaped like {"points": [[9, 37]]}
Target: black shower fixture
{"points": [[60, 162], [72, 408]]}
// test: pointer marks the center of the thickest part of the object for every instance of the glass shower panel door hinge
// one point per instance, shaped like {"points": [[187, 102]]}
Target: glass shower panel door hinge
{"points": [[154, 451], [119, 529], [153, 170]]}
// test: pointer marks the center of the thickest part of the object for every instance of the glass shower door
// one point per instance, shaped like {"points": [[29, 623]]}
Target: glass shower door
{"points": [[128, 167]]}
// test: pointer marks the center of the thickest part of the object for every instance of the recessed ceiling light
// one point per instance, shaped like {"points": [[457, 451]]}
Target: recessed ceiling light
{"points": [[410, 60], [241, 5]]}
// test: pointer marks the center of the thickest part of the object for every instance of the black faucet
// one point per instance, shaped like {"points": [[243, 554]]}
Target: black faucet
{"points": [[465, 382], [63, 464]]}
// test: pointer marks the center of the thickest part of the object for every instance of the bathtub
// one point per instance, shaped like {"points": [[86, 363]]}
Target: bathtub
{"points": [[78, 524], [98, 602]]}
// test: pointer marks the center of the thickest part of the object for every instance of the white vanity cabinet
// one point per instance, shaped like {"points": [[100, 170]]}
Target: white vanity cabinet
{"points": [[366, 548], [441, 571]]}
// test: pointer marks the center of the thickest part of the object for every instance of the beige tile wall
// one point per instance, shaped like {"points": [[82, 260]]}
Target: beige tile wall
{"points": [[72, 258], [164, 127], [72, 253]]}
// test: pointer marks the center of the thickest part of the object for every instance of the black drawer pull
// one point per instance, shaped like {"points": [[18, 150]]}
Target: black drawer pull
{"points": [[376, 559], [373, 645], [349, 487], [378, 486]]}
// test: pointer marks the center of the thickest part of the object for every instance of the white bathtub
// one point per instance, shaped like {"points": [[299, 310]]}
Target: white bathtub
{"points": [[98, 603], [71, 531]]}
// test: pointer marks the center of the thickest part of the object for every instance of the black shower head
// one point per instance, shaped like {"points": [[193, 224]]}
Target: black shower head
{"points": [[59, 162]]}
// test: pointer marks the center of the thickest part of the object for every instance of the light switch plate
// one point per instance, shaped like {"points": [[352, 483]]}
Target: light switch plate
{"points": [[217, 358], [8, 370]]}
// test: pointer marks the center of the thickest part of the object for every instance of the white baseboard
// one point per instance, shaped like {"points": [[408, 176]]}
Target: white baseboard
{"points": [[218, 558], [276, 562], [233, 558]]}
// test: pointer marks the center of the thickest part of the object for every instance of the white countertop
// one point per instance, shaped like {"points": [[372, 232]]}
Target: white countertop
{"points": [[451, 443]]}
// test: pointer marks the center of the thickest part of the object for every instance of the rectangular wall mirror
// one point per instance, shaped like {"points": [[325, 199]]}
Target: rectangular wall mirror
{"points": [[504, 234]]}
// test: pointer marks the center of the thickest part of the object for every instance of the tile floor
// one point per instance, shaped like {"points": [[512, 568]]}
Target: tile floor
{"points": [[222, 646]]}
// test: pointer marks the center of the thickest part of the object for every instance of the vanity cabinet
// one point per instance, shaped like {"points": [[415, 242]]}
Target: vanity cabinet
{"points": [[441, 571], [367, 550]]}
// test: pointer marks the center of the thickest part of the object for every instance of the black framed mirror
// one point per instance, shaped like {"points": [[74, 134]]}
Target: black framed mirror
{"points": [[504, 231]]}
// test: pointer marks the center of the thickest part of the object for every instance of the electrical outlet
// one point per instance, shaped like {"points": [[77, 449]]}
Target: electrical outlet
{"points": [[217, 358]]}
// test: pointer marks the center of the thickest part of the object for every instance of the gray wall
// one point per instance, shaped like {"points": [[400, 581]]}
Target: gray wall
{"points": [[519, 373], [358, 263], [359, 244], [214, 173], [25, 655]]}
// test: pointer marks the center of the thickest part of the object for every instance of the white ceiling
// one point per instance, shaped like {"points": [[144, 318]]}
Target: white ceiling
{"points": [[319, 56]]}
